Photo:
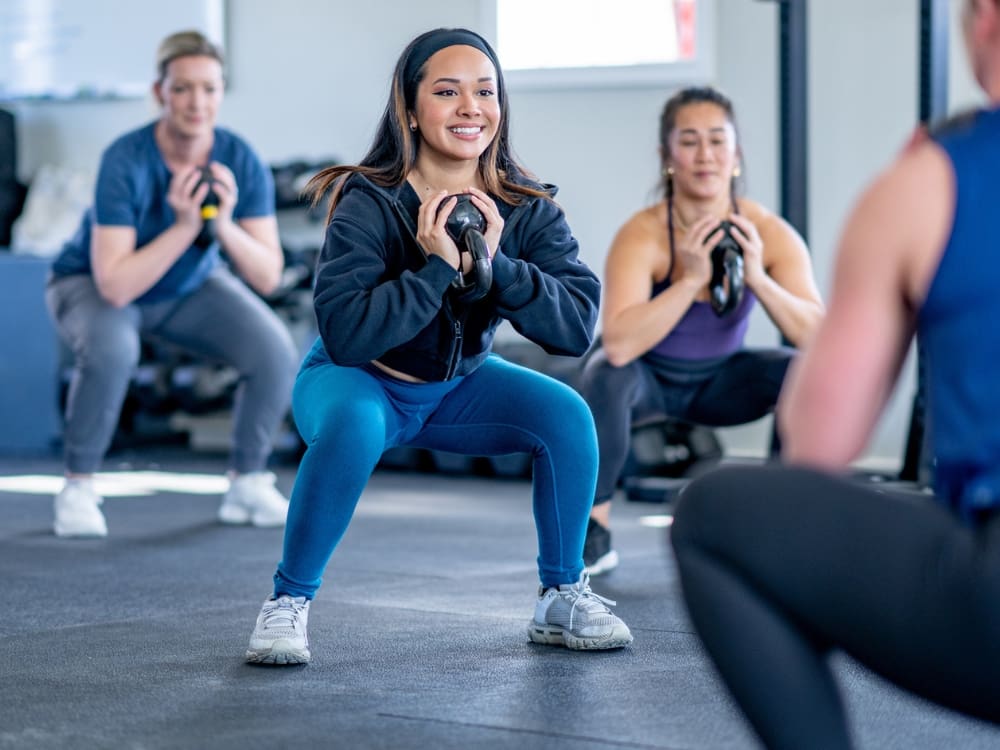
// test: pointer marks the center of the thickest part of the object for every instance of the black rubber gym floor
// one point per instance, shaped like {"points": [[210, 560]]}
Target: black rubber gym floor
{"points": [[418, 634]]}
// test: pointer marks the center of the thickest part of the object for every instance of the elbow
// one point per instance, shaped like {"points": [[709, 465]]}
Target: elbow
{"points": [[810, 326], [617, 354], [580, 344], [113, 295], [617, 358], [268, 285], [803, 443]]}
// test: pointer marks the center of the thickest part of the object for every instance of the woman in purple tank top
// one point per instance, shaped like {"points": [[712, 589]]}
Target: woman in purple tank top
{"points": [[665, 350], [784, 567]]}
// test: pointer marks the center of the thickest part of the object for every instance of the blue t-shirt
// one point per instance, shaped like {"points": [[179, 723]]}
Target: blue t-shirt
{"points": [[958, 339], [131, 191]]}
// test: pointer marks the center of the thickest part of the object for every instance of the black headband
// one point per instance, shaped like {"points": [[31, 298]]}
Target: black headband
{"points": [[435, 41]]}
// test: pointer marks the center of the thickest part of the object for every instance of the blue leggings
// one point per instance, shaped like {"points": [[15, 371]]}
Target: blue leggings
{"points": [[348, 416]]}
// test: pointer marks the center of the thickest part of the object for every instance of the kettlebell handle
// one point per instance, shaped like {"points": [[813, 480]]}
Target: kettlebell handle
{"points": [[726, 286], [465, 225]]}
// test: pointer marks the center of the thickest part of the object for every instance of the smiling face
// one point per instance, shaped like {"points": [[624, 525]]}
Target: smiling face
{"points": [[457, 110], [190, 94], [702, 150]]}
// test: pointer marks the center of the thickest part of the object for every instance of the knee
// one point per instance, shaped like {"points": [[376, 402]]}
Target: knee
{"points": [[567, 413], [602, 382], [701, 504], [339, 424], [274, 355], [108, 349]]}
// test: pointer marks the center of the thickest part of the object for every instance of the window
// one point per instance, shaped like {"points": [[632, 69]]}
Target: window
{"points": [[51, 49], [556, 43]]}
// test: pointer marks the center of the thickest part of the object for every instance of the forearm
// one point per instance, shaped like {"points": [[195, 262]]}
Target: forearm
{"points": [[359, 323], [629, 334], [795, 317], [124, 279], [555, 309], [258, 262], [836, 390]]}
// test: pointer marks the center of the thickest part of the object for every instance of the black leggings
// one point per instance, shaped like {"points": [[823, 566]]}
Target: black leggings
{"points": [[780, 565], [719, 392]]}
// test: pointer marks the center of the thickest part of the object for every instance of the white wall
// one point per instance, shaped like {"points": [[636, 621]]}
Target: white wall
{"points": [[309, 79]]}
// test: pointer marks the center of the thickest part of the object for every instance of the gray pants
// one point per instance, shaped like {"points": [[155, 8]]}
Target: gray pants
{"points": [[223, 321]]}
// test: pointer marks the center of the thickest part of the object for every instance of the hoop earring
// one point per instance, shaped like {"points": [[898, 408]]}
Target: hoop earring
{"points": [[413, 127]]}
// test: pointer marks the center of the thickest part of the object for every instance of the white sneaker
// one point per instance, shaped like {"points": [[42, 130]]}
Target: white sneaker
{"points": [[78, 512], [253, 498], [575, 617], [280, 634]]}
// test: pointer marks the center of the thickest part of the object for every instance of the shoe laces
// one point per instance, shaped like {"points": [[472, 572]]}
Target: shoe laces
{"points": [[284, 613], [584, 599]]}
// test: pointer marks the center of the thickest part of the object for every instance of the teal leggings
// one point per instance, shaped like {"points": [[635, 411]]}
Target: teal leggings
{"points": [[348, 416]]}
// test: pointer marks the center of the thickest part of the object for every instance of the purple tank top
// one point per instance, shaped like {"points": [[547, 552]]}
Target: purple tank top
{"points": [[701, 334]]}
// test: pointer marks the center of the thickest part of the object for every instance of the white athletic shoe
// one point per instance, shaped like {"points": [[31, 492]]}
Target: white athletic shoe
{"points": [[575, 617], [280, 635], [253, 498], [78, 512]]}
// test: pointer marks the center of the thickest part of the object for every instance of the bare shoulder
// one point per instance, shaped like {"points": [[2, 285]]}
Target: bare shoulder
{"points": [[646, 222], [906, 212], [778, 235], [642, 233], [766, 220]]}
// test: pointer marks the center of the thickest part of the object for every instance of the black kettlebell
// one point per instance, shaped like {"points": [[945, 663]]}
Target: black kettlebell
{"points": [[726, 286], [465, 225], [209, 210]]}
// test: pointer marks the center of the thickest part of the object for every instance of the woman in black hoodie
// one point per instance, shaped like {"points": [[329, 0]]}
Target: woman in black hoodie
{"points": [[406, 321]]}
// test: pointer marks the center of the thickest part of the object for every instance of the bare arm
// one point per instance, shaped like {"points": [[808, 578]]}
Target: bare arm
{"points": [[632, 323], [254, 247], [886, 258], [252, 243], [779, 273], [122, 274]]}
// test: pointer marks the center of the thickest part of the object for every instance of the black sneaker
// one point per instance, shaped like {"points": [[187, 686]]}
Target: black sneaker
{"points": [[598, 557]]}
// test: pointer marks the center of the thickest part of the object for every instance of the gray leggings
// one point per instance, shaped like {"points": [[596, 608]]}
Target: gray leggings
{"points": [[222, 321]]}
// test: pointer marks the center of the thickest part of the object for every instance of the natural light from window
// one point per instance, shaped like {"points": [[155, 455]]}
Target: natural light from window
{"points": [[559, 34]]}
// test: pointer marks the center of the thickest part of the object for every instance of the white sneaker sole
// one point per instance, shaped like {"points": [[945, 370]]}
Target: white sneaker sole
{"points": [[79, 531], [281, 653], [554, 635], [603, 564], [237, 515]]}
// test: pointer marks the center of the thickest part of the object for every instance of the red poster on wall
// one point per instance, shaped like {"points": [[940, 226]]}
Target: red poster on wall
{"points": [[684, 11]]}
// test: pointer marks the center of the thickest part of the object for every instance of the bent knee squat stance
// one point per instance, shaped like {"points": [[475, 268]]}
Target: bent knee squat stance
{"points": [[404, 356], [664, 332], [798, 563], [137, 268], [909, 587]]}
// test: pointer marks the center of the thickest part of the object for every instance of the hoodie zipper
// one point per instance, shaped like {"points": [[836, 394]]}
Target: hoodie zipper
{"points": [[458, 325], [456, 349]]}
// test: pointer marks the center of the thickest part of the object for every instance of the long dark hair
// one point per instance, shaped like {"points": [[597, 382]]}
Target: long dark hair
{"points": [[393, 151]]}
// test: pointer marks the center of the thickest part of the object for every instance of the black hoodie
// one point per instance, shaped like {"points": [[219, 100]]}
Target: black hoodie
{"points": [[379, 296]]}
